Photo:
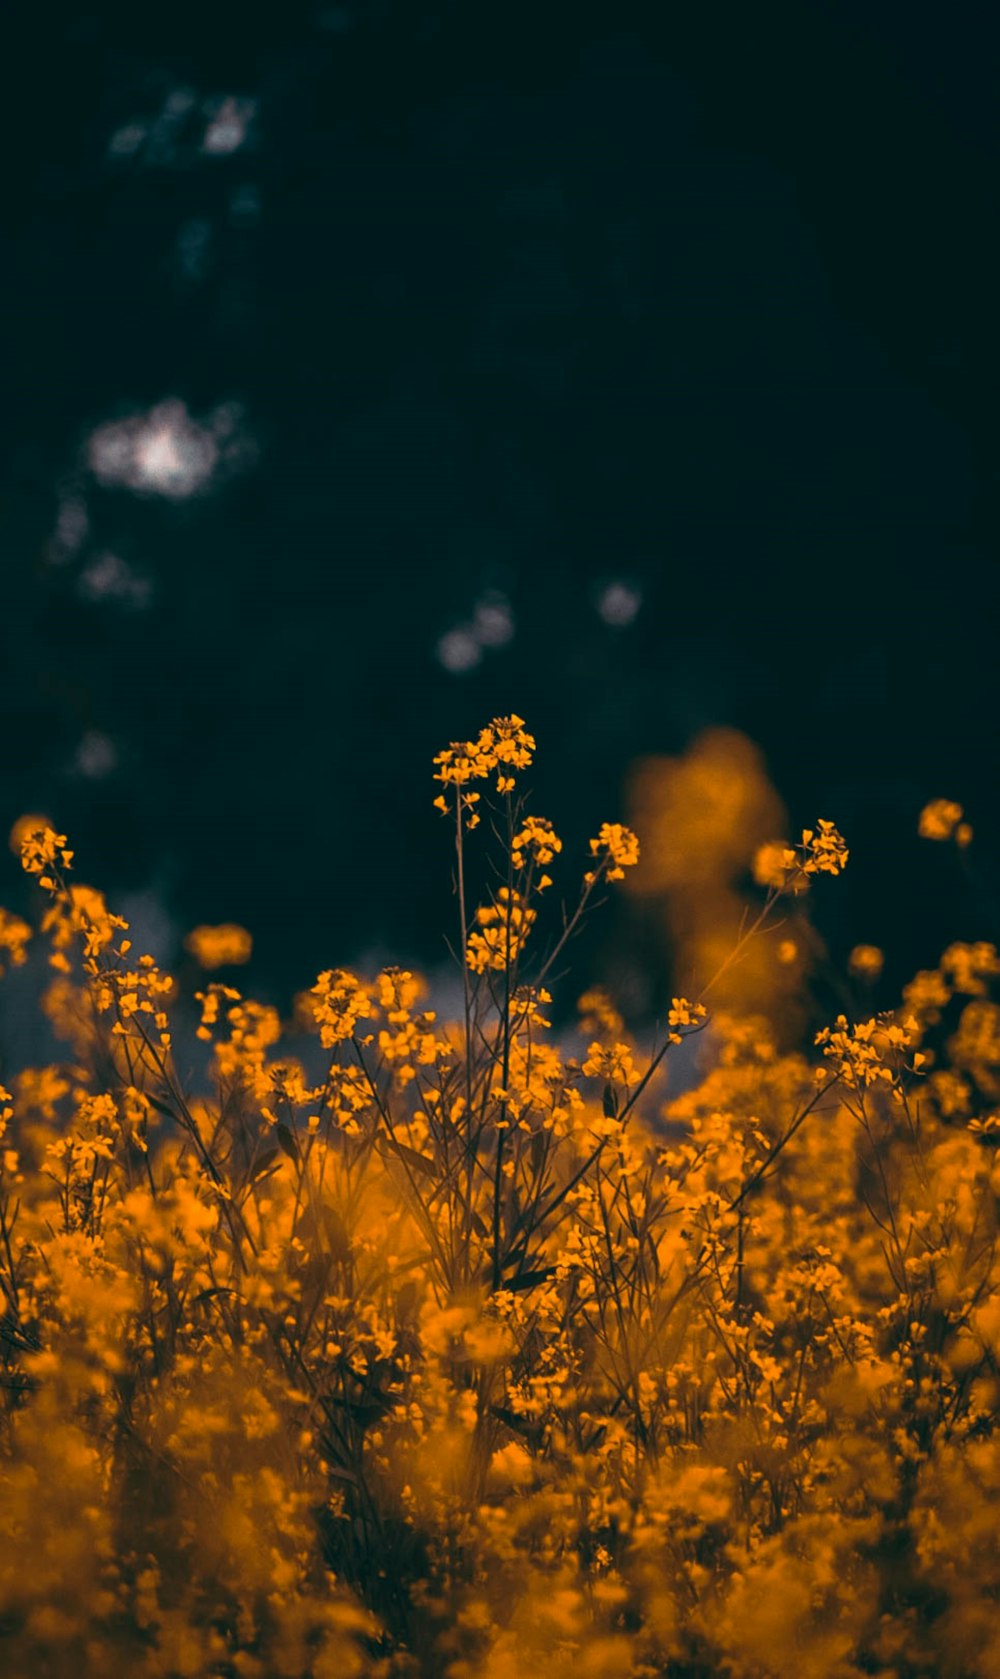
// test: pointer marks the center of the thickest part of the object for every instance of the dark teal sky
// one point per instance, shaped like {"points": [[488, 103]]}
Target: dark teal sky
{"points": [[334, 330]]}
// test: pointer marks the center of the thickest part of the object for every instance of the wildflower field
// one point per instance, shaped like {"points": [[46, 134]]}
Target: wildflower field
{"points": [[383, 1344]]}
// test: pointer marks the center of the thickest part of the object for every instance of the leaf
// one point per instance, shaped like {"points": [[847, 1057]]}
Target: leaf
{"points": [[267, 1159], [406, 1301], [337, 1234], [211, 1294], [538, 1149], [287, 1141], [527, 1427], [530, 1279], [419, 1162], [161, 1107], [365, 1414], [336, 1473], [313, 1274]]}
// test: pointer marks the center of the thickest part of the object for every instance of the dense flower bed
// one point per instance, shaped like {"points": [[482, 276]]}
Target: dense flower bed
{"points": [[394, 1345]]}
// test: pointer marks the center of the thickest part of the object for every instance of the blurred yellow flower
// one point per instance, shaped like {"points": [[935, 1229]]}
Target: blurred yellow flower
{"points": [[939, 819], [865, 961], [227, 945]]}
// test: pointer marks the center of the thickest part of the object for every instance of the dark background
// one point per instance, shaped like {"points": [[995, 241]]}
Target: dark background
{"points": [[497, 308]]}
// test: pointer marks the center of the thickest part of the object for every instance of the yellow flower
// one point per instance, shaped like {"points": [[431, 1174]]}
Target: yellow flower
{"points": [[80, 911], [511, 744], [618, 847], [42, 850], [785, 868], [536, 840], [776, 865], [612, 1062], [968, 967], [25, 826], [939, 819], [866, 961], [227, 945], [683, 1013], [504, 745], [598, 1013], [502, 929], [339, 1002], [15, 935], [824, 850], [869, 1052]]}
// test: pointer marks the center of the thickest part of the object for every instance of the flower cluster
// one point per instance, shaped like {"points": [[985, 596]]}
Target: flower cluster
{"points": [[869, 1052], [866, 961], [390, 1346], [15, 936], [43, 851], [781, 867], [504, 745], [617, 848], [501, 930], [339, 1001], [536, 841], [941, 819], [227, 945], [823, 849], [682, 1013]]}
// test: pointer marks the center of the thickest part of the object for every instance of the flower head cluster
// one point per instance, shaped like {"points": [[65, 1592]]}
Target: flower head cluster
{"points": [[9, 1161], [43, 851], [536, 841], [512, 746], [787, 868], [618, 850], [15, 936], [866, 961], [598, 1013], [408, 1040], [503, 745], [240, 1058], [339, 1001], [870, 1052], [81, 912], [527, 1003], [969, 967], [501, 930], [227, 945], [776, 866], [684, 1014], [941, 819], [823, 849], [137, 997], [612, 1062]]}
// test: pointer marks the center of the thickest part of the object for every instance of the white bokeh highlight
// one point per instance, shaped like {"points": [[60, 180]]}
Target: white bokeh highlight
{"points": [[107, 577], [619, 603], [166, 452], [491, 627], [229, 125]]}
